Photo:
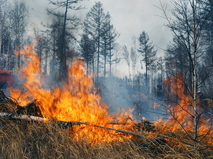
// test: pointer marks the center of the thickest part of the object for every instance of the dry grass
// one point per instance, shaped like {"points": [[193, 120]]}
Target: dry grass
{"points": [[28, 139], [22, 139]]}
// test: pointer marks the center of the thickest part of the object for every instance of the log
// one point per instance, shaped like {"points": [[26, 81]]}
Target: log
{"points": [[21, 117]]}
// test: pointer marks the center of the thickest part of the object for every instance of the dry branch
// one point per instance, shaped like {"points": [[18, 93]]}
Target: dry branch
{"points": [[21, 117], [65, 124]]}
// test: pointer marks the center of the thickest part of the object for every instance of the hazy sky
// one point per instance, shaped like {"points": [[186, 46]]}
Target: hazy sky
{"points": [[129, 17]]}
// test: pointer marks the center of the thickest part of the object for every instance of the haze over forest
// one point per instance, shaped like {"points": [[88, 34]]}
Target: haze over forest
{"points": [[121, 55], [129, 19], [153, 56]]}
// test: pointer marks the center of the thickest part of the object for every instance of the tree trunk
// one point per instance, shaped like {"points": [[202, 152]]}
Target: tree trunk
{"points": [[194, 86], [110, 62], [211, 31], [46, 56], [146, 80], [105, 54], [63, 66], [98, 54]]}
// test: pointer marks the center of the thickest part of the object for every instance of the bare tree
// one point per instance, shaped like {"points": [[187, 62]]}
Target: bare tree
{"points": [[19, 13], [160, 67], [133, 55], [6, 48], [188, 28], [126, 56]]}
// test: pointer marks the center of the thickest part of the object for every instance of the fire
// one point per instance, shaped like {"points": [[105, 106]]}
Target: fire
{"points": [[74, 101], [77, 101], [181, 113]]}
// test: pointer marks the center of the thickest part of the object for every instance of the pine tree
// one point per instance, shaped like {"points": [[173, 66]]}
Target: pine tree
{"points": [[93, 25], [147, 51]]}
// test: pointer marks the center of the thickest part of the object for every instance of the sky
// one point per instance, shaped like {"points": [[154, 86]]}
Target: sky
{"points": [[129, 17]]}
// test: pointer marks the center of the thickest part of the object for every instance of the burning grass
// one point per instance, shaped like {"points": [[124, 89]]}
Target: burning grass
{"points": [[29, 139], [74, 101]]}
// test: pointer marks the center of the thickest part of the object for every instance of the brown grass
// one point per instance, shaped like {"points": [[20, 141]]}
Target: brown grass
{"points": [[28, 139], [22, 139]]}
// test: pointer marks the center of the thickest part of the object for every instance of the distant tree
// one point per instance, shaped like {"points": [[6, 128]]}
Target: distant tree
{"points": [[6, 47], [55, 32], [108, 37], [114, 57], [3, 25], [160, 67], [18, 15], [67, 4], [39, 44], [87, 50], [133, 55], [147, 51], [93, 25], [126, 56], [112, 35], [105, 41]]}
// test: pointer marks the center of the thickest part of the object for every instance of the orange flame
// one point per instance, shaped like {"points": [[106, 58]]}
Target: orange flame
{"points": [[72, 102], [180, 114]]}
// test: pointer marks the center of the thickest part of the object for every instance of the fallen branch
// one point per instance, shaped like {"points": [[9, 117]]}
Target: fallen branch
{"points": [[21, 117], [65, 124], [123, 131]]}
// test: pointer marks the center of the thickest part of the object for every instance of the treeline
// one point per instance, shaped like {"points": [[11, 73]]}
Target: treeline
{"points": [[66, 37], [13, 25], [190, 54], [95, 39], [59, 42]]}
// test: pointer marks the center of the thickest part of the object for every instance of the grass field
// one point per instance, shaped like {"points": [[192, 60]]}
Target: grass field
{"points": [[24, 139]]}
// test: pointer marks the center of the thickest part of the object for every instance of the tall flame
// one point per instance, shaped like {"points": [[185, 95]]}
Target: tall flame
{"points": [[74, 101]]}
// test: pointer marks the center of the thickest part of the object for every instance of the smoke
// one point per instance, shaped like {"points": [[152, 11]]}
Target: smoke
{"points": [[116, 93]]}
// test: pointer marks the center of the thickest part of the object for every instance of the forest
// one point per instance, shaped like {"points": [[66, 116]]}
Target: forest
{"points": [[64, 79]]}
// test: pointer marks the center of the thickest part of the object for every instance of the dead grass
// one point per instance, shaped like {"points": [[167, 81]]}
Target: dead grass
{"points": [[22, 139], [28, 139]]}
